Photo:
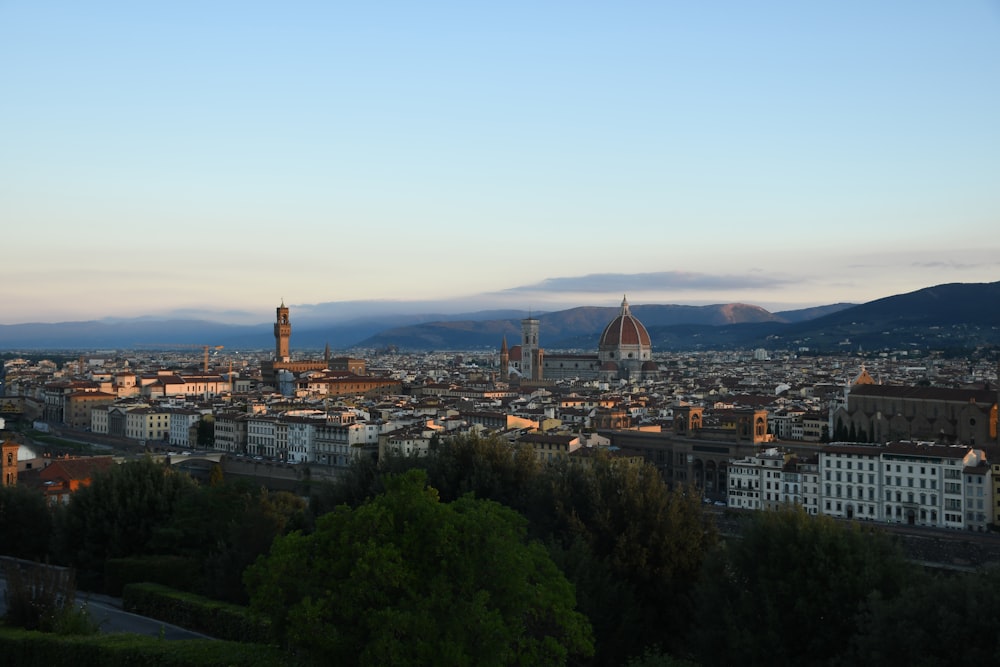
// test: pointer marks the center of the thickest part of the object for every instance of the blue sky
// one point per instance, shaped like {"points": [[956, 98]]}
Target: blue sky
{"points": [[218, 157]]}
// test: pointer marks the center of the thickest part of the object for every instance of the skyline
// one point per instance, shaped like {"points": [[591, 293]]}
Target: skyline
{"points": [[192, 159]]}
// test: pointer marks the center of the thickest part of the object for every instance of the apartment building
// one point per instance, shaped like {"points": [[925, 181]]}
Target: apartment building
{"points": [[917, 483]]}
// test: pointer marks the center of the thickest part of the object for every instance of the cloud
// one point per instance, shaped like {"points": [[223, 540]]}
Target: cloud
{"points": [[647, 282], [953, 265]]}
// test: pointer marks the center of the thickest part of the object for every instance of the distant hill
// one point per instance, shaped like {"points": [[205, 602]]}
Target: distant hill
{"points": [[960, 315], [952, 316], [576, 328], [955, 315], [804, 314], [308, 333]]}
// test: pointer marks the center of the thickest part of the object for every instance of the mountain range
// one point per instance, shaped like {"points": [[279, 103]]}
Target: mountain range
{"points": [[951, 316]]}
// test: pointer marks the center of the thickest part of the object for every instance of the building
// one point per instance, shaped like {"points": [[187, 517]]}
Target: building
{"points": [[148, 424], [624, 354], [63, 477], [8, 463], [755, 482], [550, 446], [231, 432], [79, 406], [881, 413], [269, 369], [699, 449], [916, 483], [624, 350], [531, 354], [851, 481]]}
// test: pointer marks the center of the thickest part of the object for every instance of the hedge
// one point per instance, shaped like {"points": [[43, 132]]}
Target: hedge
{"points": [[175, 571], [27, 648], [194, 612]]}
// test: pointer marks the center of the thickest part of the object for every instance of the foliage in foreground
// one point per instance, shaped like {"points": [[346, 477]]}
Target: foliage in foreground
{"points": [[407, 579], [25, 523], [632, 547], [790, 591], [142, 509], [194, 612], [937, 621], [34, 649]]}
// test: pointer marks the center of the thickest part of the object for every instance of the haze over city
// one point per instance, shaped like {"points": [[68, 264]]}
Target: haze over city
{"points": [[212, 160]]}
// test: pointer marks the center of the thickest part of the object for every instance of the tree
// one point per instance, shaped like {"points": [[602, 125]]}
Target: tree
{"points": [[632, 547], [25, 523], [206, 433], [118, 514], [224, 528], [215, 475], [489, 467], [649, 536], [788, 592], [964, 608], [406, 579]]}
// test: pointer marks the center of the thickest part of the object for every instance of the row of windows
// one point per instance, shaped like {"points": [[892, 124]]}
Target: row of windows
{"points": [[871, 465]]}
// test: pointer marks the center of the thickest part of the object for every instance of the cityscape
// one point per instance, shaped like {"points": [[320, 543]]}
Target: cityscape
{"points": [[905, 439], [653, 334], [719, 420]]}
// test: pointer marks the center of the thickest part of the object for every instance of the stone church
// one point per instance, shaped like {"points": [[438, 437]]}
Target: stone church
{"points": [[624, 353]]}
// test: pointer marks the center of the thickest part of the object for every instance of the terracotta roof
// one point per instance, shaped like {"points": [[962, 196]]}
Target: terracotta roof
{"points": [[926, 393], [76, 469], [624, 330]]}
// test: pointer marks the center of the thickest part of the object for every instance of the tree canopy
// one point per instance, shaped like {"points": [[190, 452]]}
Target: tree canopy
{"points": [[407, 579], [790, 591], [119, 512], [631, 546], [25, 523]]}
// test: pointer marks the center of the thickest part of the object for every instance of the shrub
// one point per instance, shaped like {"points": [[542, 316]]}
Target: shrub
{"points": [[42, 597], [33, 649], [194, 612]]}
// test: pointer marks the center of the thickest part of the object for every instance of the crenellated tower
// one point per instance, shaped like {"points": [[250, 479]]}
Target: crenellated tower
{"points": [[282, 334]]}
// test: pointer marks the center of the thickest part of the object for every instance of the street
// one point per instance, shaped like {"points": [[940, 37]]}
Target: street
{"points": [[107, 612]]}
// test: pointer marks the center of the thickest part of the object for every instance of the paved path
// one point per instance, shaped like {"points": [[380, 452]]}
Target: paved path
{"points": [[107, 612]]}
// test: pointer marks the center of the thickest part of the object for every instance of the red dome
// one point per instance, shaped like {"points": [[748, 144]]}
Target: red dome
{"points": [[624, 330]]}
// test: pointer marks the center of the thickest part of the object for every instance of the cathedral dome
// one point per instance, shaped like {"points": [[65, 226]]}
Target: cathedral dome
{"points": [[624, 330]]}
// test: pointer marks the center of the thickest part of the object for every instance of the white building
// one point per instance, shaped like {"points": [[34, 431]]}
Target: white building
{"points": [[924, 482], [918, 483], [755, 482], [262, 432], [181, 421], [339, 443], [850, 482]]}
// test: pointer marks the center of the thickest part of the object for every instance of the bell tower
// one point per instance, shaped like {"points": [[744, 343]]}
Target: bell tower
{"points": [[530, 368], [282, 333], [504, 360], [8, 463]]}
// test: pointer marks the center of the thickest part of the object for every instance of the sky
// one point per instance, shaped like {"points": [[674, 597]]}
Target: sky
{"points": [[216, 158]]}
